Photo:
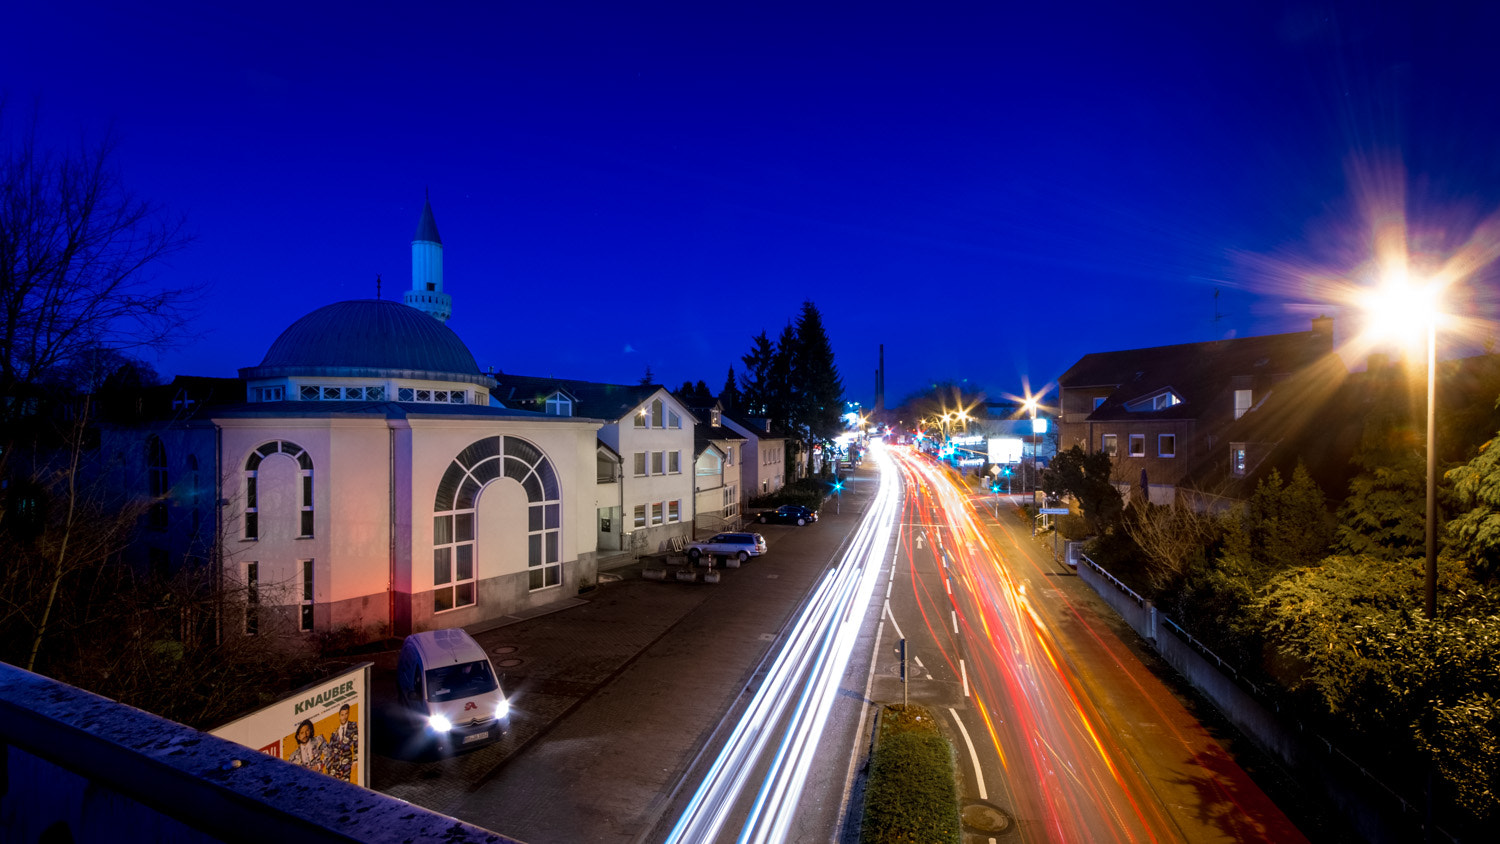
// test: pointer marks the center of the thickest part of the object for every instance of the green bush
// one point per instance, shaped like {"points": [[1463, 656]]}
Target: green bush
{"points": [[911, 796]]}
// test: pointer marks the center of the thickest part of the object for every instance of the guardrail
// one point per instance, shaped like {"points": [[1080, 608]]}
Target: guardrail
{"points": [[1139, 601]]}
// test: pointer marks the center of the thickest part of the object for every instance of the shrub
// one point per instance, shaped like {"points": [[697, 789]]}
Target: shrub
{"points": [[911, 796]]}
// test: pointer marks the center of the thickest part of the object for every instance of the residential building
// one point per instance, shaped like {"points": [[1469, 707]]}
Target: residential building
{"points": [[1164, 413], [649, 430], [763, 457], [718, 470]]}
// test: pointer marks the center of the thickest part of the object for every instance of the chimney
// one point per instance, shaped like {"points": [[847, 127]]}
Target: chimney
{"points": [[1322, 329]]}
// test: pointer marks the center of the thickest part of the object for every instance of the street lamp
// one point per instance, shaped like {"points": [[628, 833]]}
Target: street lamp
{"points": [[1395, 307], [1030, 405]]}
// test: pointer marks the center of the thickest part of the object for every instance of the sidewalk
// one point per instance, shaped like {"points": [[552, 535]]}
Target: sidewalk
{"points": [[616, 692]]}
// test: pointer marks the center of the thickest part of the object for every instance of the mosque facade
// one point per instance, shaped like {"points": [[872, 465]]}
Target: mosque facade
{"points": [[366, 479]]}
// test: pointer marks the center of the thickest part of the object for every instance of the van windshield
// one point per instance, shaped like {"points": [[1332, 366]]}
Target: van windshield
{"points": [[459, 681]]}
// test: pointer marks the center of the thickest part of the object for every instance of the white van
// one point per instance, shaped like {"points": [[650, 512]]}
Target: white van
{"points": [[446, 679]]}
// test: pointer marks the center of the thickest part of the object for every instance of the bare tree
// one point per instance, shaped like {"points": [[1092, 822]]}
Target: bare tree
{"points": [[1169, 535], [77, 250], [76, 254]]}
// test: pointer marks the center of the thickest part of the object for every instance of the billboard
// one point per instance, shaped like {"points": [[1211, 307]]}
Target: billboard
{"points": [[1005, 449], [325, 726]]}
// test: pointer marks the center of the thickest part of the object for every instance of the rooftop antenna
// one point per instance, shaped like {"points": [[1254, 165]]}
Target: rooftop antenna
{"points": [[377, 286]]}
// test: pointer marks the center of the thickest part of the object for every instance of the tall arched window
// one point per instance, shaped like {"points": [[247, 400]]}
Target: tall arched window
{"points": [[454, 521], [156, 479], [305, 481]]}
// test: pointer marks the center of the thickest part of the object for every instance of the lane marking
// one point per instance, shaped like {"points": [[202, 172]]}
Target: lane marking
{"points": [[973, 757], [964, 670], [955, 621], [892, 617]]}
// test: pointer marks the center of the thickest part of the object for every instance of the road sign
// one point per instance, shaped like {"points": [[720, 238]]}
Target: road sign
{"points": [[1054, 511]]}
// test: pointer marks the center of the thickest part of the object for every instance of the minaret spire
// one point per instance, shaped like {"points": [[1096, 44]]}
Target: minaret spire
{"points": [[426, 293]]}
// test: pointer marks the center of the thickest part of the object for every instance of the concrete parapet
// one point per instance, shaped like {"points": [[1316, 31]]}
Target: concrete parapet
{"points": [[81, 767]]}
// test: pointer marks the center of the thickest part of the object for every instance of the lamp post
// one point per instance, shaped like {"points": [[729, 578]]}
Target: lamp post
{"points": [[1398, 305]]}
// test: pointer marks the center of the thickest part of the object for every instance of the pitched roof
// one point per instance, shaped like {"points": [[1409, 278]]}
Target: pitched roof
{"points": [[591, 399], [1197, 373]]}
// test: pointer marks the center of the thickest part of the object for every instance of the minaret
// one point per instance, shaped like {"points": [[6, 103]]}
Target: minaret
{"points": [[426, 293]]}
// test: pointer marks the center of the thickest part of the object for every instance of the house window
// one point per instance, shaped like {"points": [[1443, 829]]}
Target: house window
{"points": [[731, 502], [674, 511], [714, 418], [673, 420], [656, 510], [252, 598], [270, 393], [729, 456], [640, 464], [1237, 459], [156, 477], [658, 462], [1241, 403], [307, 595], [640, 419], [709, 464], [1166, 445], [640, 515], [674, 462], [455, 575], [1137, 445], [1165, 400], [252, 486], [1110, 445], [559, 405], [657, 411]]}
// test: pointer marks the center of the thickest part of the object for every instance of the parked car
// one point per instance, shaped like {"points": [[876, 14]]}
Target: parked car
{"points": [[740, 546], [789, 514], [446, 680]]}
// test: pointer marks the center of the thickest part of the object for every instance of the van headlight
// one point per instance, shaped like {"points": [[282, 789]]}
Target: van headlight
{"points": [[440, 722], [502, 709]]}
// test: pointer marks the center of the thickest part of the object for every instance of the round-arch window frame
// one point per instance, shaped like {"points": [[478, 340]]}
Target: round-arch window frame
{"points": [[455, 521]]}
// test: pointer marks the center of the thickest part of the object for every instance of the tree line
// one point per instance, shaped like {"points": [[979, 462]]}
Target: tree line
{"points": [[792, 381]]}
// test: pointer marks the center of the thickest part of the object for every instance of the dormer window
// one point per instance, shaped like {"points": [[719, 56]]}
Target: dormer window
{"points": [[713, 418], [1160, 401], [559, 405]]}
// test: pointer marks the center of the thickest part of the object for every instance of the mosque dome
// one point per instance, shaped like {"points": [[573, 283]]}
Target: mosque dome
{"points": [[369, 338]]}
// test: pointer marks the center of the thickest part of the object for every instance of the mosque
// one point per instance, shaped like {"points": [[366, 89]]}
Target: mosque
{"points": [[451, 509]]}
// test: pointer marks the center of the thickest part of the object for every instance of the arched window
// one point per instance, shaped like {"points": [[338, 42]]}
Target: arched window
{"points": [[156, 479], [454, 521], [656, 415], [305, 478]]}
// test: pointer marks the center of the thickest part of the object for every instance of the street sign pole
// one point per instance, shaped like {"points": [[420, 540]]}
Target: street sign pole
{"points": [[902, 647]]}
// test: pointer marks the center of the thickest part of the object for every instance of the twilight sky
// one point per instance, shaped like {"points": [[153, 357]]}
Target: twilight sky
{"points": [[991, 190]]}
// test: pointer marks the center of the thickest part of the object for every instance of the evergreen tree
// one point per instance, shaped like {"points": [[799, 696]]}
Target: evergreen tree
{"points": [[755, 380], [819, 392], [649, 378], [1384, 514], [1475, 532], [730, 395]]}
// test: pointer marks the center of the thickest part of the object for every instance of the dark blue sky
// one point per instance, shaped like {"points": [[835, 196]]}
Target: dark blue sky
{"points": [[991, 190]]}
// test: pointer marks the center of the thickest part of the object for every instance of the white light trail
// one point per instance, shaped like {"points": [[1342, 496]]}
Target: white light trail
{"points": [[797, 694]]}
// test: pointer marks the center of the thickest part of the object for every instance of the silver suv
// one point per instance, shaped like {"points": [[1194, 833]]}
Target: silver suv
{"points": [[740, 546]]}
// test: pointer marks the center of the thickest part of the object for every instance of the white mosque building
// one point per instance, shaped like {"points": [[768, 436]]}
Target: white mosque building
{"points": [[365, 479]]}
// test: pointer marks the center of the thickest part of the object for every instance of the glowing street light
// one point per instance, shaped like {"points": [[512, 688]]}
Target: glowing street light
{"points": [[1399, 309]]}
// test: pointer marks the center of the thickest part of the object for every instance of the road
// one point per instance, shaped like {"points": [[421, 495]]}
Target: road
{"points": [[1062, 733]]}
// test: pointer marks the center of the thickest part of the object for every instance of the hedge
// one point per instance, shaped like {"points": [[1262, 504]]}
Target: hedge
{"points": [[911, 796]]}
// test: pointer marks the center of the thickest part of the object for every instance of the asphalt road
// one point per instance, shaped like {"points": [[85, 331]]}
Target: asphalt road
{"points": [[1063, 728]]}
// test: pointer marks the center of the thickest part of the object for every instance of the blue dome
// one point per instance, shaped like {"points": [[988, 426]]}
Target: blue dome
{"points": [[369, 338]]}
